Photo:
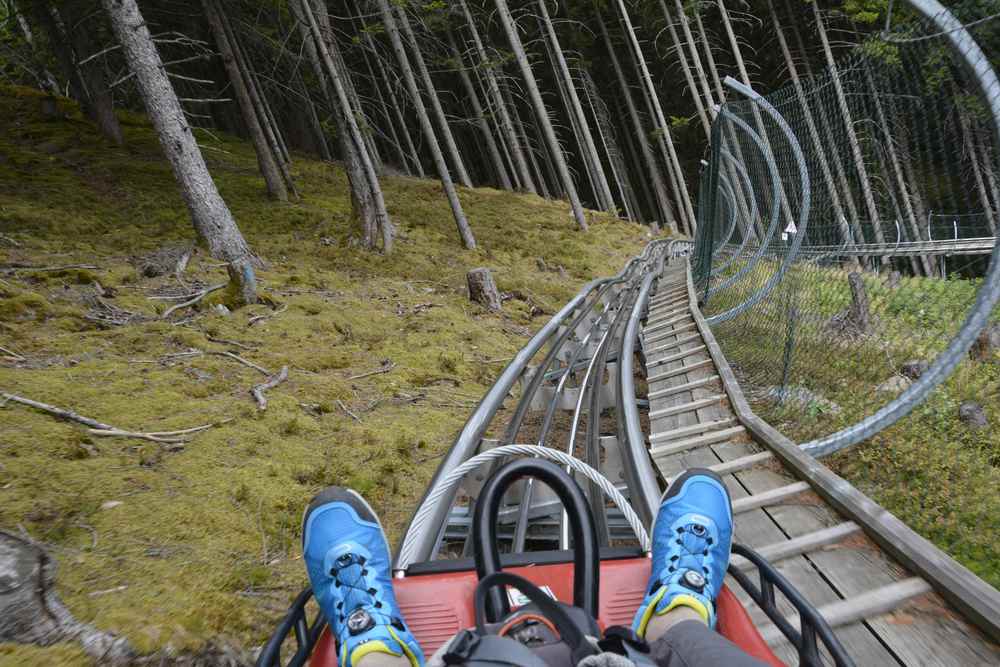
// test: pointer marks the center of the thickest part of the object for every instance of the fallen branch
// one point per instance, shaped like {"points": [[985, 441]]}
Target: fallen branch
{"points": [[195, 298], [14, 268], [344, 408], [12, 354], [248, 364], [258, 390], [266, 316], [386, 367], [234, 343], [106, 430]]}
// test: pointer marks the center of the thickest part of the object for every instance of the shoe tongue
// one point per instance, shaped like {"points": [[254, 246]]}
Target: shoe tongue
{"points": [[377, 647]]}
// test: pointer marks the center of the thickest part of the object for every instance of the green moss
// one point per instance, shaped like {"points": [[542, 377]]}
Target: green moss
{"points": [[198, 528]]}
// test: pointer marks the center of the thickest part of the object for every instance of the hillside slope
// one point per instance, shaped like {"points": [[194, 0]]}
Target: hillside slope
{"points": [[174, 549]]}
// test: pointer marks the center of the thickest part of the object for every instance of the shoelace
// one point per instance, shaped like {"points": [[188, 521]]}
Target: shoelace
{"points": [[692, 544], [358, 588]]}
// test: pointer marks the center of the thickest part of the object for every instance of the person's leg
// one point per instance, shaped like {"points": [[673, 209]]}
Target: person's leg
{"points": [[692, 536], [349, 564]]}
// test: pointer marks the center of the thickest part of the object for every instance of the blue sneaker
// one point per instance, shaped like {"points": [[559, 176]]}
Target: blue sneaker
{"points": [[692, 535], [347, 557]]}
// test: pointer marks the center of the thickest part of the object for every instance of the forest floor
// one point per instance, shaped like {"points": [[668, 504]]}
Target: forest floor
{"points": [[176, 549]]}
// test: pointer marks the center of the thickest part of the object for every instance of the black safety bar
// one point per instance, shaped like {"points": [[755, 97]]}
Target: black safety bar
{"points": [[306, 634], [813, 626]]}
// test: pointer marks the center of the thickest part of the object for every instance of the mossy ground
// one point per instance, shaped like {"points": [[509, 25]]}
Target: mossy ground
{"points": [[173, 549]]}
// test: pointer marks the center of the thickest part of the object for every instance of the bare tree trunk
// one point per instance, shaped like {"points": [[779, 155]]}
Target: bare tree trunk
{"points": [[686, 68], [499, 106], [209, 213], [664, 139], [46, 80], [396, 145], [820, 151], [396, 112], [662, 208], [603, 190], [425, 76], [477, 109], [365, 187], [314, 123], [540, 112], [87, 82], [852, 137], [599, 112], [521, 138], [265, 158], [425, 123]]}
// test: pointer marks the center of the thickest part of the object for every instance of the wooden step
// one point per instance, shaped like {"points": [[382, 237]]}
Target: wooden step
{"points": [[736, 465], [771, 497], [659, 377], [710, 438], [664, 322], [683, 354], [681, 388], [694, 429], [802, 544], [686, 407], [873, 603], [673, 332], [666, 347]]}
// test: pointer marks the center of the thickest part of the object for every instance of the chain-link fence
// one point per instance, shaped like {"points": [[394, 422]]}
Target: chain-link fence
{"points": [[846, 228]]}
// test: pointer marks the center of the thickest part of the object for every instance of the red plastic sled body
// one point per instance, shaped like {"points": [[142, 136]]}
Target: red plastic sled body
{"points": [[436, 606]]}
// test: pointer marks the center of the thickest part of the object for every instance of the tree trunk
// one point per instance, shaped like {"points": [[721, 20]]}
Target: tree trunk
{"points": [[820, 151], [477, 109], [209, 213], [365, 188], [686, 68], [87, 82], [852, 137], [498, 105], [662, 208], [425, 76], [425, 123], [603, 190], [265, 158], [396, 112], [522, 139], [664, 140], [600, 115], [45, 79], [396, 145], [540, 112]]}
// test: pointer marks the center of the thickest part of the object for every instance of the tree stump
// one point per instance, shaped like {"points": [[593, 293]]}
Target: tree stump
{"points": [[860, 315], [30, 611], [482, 289], [987, 344], [892, 282], [50, 108]]}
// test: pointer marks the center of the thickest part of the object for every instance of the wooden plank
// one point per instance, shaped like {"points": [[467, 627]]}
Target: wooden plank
{"points": [[799, 545], [969, 594], [769, 497], [674, 344], [665, 322], [673, 332], [659, 377], [677, 446], [734, 465], [676, 357], [687, 386], [854, 609], [691, 430], [685, 407]]}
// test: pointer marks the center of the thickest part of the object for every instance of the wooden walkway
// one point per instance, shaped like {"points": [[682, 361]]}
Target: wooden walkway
{"points": [[886, 610]]}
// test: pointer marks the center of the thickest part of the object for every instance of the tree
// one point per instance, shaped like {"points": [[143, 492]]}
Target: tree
{"points": [[541, 114], [464, 231], [209, 213], [251, 114], [366, 192], [70, 41]]}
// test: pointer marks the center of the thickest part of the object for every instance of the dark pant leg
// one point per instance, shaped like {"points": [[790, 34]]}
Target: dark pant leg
{"points": [[693, 644]]}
